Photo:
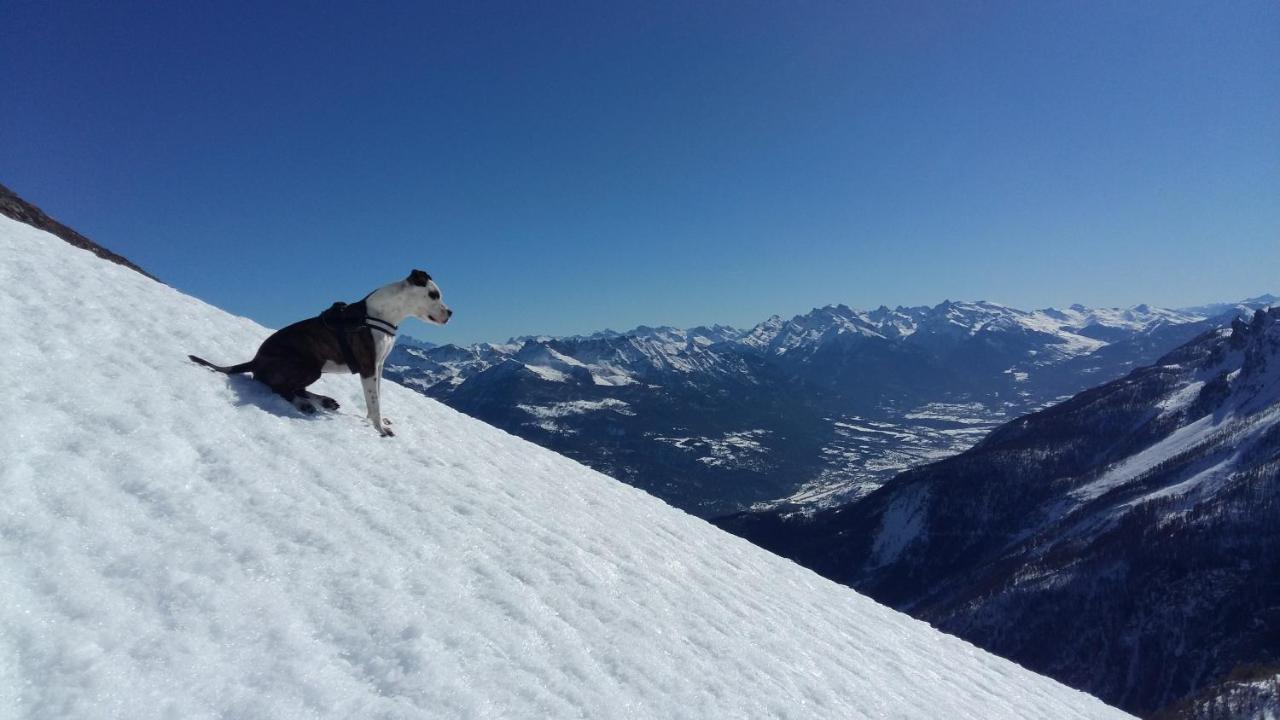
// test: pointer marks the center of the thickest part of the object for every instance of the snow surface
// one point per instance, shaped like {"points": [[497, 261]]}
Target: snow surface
{"points": [[862, 454], [740, 449], [1179, 441], [179, 544], [577, 407], [1243, 417], [545, 416]]}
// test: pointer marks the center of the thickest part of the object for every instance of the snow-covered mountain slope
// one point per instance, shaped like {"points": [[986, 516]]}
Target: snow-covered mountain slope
{"points": [[1143, 509], [1251, 692], [179, 544], [1260, 301]]}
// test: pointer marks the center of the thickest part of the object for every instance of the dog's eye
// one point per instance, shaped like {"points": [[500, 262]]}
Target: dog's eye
{"points": [[434, 294]]}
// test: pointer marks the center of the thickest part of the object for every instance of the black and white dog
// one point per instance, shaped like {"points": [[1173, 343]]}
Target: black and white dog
{"points": [[345, 338]]}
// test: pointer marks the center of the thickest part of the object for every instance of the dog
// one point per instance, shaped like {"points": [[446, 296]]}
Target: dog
{"points": [[352, 338]]}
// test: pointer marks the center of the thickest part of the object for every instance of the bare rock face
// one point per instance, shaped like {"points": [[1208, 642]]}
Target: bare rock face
{"points": [[24, 212]]}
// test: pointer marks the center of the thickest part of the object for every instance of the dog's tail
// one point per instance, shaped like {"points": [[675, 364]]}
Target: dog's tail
{"points": [[233, 370]]}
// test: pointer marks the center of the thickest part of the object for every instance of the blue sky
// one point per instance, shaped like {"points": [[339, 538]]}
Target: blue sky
{"points": [[566, 167]]}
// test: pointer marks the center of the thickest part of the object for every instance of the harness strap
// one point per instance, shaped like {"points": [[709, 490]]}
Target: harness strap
{"points": [[347, 354], [383, 326], [345, 320]]}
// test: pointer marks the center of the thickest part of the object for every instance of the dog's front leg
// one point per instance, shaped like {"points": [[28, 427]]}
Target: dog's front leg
{"points": [[378, 390], [371, 403]]}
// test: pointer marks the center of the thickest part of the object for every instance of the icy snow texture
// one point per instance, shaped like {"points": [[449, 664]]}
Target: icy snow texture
{"points": [[179, 544]]}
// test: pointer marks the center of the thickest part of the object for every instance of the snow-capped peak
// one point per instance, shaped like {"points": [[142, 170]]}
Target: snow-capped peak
{"points": [[1138, 318]]}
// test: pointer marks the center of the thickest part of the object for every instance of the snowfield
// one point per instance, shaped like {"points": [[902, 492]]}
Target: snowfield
{"points": [[179, 544]]}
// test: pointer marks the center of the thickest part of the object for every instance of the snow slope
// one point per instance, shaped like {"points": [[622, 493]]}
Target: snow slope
{"points": [[178, 544]]}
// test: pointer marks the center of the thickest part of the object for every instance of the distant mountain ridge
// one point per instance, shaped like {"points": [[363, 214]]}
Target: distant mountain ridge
{"points": [[1124, 542], [1074, 331], [834, 401]]}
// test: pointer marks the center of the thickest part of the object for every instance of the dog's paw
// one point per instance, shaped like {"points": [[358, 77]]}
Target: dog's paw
{"points": [[329, 404], [381, 427], [307, 408]]}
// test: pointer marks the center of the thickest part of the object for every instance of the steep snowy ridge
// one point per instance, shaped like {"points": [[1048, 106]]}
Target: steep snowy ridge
{"points": [[179, 544]]}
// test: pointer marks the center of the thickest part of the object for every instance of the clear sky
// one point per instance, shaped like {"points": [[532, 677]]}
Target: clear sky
{"points": [[566, 167]]}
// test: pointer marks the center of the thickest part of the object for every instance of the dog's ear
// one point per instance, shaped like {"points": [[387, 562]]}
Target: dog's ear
{"points": [[420, 278]]}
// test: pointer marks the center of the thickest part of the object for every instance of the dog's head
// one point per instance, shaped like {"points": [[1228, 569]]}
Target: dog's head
{"points": [[425, 303]]}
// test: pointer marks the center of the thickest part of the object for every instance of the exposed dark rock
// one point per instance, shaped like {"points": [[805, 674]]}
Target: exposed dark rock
{"points": [[24, 212]]}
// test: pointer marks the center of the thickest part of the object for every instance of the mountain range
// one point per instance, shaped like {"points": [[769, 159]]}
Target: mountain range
{"points": [[800, 413], [1124, 542]]}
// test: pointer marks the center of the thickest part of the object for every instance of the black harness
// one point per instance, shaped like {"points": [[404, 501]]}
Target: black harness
{"points": [[345, 320]]}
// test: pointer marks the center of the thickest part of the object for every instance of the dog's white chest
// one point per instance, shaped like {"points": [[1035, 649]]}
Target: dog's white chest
{"points": [[382, 345], [333, 367]]}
